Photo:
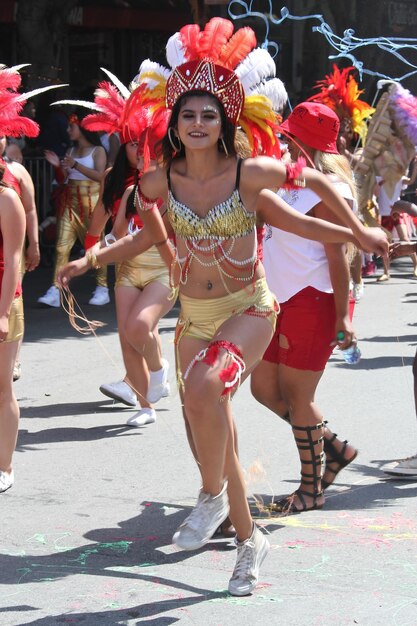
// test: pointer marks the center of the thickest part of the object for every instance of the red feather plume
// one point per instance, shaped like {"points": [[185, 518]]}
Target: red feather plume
{"points": [[237, 48], [214, 36], [190, 35]]}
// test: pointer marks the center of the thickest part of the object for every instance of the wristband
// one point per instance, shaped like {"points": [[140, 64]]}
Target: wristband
{"points": [[90, 241], [75, 166], [294, 170]]}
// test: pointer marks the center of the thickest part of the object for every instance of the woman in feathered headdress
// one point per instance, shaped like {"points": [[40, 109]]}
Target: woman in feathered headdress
{"points": [[80, 172], [142, 283], [227, 312]]}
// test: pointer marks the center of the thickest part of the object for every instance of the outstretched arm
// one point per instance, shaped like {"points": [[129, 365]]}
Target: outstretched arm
{"points": [[278, 213], [266, 173], [125, 248]]}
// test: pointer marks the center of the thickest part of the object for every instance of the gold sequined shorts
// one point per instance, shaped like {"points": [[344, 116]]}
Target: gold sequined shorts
{"points": [[16, 321], [201, 318], [142, 269]]}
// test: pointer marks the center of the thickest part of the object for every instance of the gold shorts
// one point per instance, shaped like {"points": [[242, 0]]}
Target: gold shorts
{"points": [[201, 318], [16, 321], [142, 270]]}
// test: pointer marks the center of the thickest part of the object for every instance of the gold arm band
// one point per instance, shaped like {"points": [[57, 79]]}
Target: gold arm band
{"points": [[92, 259]]}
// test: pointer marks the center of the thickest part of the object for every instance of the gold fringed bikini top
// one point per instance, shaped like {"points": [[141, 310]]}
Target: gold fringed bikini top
{"points": [[226, 219]]}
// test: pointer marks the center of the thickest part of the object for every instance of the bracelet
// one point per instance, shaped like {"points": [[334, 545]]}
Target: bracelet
{"points": [[294, 170], [92, 260], [142, 202], [161, 243], [75, 166]]}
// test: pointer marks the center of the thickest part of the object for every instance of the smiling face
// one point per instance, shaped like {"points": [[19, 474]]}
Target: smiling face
{"points": [[199, 122]]}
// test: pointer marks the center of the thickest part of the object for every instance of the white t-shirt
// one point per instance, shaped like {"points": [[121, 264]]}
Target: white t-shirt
{"points": [[293, 263]]}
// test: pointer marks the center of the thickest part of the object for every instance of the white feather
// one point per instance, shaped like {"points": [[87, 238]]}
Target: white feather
{"points": [[81, 103], [273, 89], [175, 51], [35, 92], [16, 68], [149, 66], [124, 91], [256, 67]]}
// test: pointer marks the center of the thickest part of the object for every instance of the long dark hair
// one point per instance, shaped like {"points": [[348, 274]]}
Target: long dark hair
{"points": [[114, 183], [90, 136], [228, 129]]}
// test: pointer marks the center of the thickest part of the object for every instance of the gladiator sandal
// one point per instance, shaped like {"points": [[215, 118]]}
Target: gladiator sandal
{"points": [[335, 459], [309, 445]]}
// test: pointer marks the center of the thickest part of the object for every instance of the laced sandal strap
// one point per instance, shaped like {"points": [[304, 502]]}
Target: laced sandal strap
{"points": [[310, 445]]}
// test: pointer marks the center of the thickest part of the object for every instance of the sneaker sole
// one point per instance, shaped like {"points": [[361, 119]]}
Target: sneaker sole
{"points": [[114, 396], [132, 425], [244, 591]]}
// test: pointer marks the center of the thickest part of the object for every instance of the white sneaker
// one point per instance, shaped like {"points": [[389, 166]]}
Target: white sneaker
{"points": [[405, 468], [100, 296], [142, 417], [357, 291], [198, 528], [6, 480], [250, 555], [158, 384], [51, 298], [120, 391]]}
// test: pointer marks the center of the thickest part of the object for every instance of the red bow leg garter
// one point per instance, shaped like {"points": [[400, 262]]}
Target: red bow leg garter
{"points": [[230, 376]]}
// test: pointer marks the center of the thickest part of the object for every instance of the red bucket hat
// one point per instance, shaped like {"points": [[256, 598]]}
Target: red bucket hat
{"points": [[314, 124]]}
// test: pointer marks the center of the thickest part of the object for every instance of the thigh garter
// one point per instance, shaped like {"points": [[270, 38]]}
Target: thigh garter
{"points": [[230, 375]]}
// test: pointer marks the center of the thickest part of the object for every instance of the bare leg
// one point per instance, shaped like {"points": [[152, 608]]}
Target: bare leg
{"points": [[9, 409], [210, 420], [265, 387], [142, 321], [137, 374]]}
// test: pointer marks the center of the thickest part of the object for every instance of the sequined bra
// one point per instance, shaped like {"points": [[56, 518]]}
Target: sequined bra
{"points": [[226, 219]]}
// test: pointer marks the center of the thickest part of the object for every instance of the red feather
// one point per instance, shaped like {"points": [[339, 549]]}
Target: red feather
{"points": [[19, 126], [214, 37], [237, 48], [9, 79], [189, 39], [99, 122]]}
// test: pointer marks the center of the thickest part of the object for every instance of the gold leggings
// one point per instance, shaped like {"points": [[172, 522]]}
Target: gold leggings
{"points": [[16, 321], [78, 202]]}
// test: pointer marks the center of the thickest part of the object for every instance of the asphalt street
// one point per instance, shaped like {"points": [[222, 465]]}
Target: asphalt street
{"points": [[86, 529]]}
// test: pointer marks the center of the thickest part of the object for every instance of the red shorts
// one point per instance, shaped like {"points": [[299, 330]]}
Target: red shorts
{"points": [[308, 321], [390, 221]]}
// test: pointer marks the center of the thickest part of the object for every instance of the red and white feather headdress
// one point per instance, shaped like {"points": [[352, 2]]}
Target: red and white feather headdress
{"points": [[126, 111], [12, 124], [123, 110], [226, 64]]}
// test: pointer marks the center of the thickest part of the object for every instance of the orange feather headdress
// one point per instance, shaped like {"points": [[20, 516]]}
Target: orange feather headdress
{"points": [[340, 92], [226, 65]]}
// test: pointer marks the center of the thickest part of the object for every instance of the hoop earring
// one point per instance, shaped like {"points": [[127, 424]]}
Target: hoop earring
{"points": [[224, 147], [172, 142]]}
